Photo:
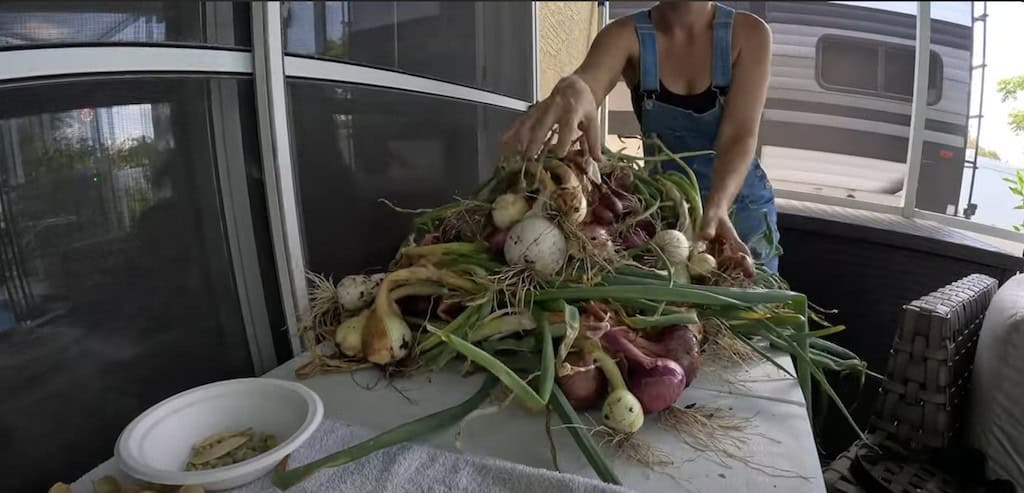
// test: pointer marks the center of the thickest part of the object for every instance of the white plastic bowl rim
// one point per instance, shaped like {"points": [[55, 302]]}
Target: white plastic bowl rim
{"points": [[266, 460]]}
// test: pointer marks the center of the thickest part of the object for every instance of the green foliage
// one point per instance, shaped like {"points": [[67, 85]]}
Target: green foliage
{"points": [[1010, 87], [1017, 121], [1017, 188]]}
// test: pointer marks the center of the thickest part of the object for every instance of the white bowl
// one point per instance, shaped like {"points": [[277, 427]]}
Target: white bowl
{"points": [[156, 445]]}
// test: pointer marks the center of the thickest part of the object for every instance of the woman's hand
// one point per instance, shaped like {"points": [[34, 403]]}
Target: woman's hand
{"points": [[570, 112], [717, 229]]}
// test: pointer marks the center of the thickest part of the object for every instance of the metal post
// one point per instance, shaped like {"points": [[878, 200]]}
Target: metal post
{"points": [[275, 149], [918, 108], [535, 48], [602, 6]]}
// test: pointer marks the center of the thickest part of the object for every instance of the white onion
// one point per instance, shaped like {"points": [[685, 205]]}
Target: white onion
{"points": [[508, 209], [537, 243], [357, 291], [674, 245], [349, 335], [622, 411], [702, 264]]}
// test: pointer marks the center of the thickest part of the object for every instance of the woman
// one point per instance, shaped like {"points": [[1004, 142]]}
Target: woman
{"points": [[680, 60]]}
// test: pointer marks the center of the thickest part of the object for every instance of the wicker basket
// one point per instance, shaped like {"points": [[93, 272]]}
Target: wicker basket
{"points": [[920, 407]]}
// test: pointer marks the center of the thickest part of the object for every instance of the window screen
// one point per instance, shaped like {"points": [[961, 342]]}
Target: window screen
{"points": [[874, 68]]}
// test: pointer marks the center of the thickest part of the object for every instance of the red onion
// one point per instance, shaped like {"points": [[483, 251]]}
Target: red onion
{"points": [[676, 342], [601, 215], [585, 389], [612, 204], [633, 238], [656, 382], [496, 241], [647, 226], [737, 262]]}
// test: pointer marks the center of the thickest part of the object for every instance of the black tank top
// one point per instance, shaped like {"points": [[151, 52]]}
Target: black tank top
{"points": [[701, 102]]}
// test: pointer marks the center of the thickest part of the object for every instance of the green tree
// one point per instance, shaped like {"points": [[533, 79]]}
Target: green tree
{"points": [[1008, 89], [982, 151]]}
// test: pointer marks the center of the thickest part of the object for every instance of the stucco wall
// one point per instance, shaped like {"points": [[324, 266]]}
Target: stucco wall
{"points": [[565, 30]]}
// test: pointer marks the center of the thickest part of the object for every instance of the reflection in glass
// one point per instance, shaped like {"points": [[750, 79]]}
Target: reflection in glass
{"points": [[117, 289], [356, 145], [481, 44], [67, 22]]}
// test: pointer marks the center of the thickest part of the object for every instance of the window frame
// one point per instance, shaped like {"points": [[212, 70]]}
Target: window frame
{"points": [[881, 47]]}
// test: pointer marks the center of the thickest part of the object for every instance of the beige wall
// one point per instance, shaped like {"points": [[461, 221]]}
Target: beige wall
{"points": [[565, 30]]}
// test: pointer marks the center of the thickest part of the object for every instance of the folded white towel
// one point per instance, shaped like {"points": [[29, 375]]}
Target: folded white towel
{"points": [[404, 468]]}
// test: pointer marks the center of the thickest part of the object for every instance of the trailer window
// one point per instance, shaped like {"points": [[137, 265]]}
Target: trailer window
{"points": [[874, 68]]}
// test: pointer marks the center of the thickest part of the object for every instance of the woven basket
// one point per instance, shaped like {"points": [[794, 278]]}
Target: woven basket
{"points": [[920, 407]]}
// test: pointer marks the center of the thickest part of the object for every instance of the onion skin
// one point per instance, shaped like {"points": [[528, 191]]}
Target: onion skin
{"points": [[633, 238], [612, 204], [584, 389], [496, 241], [676, 342], [656, 382], [601, 215]]}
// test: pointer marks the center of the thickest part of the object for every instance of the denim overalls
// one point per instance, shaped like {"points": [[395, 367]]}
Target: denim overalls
{"points": [[682, 130]]}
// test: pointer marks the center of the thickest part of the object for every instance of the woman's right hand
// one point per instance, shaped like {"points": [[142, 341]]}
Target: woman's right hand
{"points": [[570, 112]]}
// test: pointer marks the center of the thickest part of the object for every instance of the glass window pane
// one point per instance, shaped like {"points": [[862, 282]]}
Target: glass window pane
{"points": [[118, 289], [25, 24], [899, 71], [848, 63], [480, 44], [356, 145]]}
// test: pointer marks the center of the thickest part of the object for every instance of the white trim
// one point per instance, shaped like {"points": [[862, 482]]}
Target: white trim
{"points": [[815, 198], [275, 147], [46, 62], [918, 107], [957, 222], [357, 74], [238, 218], [535, 48]]}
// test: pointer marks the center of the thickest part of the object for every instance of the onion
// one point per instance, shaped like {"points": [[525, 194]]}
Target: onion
{"points": [[737, 261], [633, 237], [508, 209], [496, 241], [702, 264], [674, 245], [599, 239], [357, 291], [349, 335], [678, 343], [611, 203], [536, 242], [584, 387], [656, 382], [601, 215]]}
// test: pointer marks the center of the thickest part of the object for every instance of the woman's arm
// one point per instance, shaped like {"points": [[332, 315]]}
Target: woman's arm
{"points": [[573, 102], [737, 134]]}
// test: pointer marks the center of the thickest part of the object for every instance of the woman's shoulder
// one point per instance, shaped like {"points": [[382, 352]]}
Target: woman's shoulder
{"points": [[749, 31], [750, 28]]}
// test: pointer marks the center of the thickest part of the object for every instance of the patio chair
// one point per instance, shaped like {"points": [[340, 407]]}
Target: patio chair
{"points": [[914, 435]]}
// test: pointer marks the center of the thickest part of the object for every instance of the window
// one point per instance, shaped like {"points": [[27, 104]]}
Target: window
{"points": [[876, 68], [30, 24], [486, 45], [118, 288], [356, 145]]}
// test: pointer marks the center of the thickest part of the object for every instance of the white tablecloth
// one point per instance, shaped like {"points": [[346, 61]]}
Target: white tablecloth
{"points": [[780, 445]]}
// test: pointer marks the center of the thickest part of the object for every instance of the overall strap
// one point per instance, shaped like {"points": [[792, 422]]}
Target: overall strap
{"points": [[721, 47], [649, 78]]}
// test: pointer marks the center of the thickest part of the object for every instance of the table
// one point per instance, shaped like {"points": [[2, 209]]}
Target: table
{"points": [[781, 437]]}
